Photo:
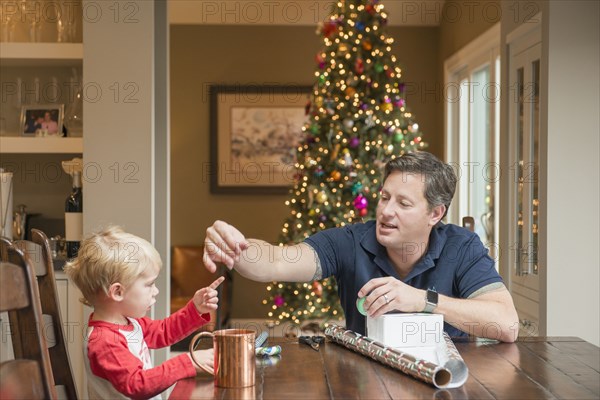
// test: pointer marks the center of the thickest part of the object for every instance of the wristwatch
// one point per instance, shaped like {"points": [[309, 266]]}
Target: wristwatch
{"points": [[431, 300]]}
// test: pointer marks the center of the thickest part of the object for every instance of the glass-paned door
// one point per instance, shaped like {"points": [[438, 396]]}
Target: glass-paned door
{"points": [[524, 138]]}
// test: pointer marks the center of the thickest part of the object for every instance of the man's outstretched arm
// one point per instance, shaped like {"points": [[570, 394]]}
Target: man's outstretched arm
{"points": [[256, 259]]}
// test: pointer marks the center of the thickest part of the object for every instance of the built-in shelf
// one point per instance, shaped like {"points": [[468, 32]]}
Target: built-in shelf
{"points": [[34, 54], [41, 145]]}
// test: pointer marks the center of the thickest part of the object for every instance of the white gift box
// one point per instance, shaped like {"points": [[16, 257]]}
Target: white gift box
{"points": [[402, 330]]}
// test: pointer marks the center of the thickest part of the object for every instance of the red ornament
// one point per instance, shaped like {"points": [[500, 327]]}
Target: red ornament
{"points": [[317, 288], [298, 176], [359, 66], [363, 212], [328, 28]]}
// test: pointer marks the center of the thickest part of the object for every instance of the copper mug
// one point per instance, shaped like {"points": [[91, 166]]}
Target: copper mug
{"points": [[234, 359]]}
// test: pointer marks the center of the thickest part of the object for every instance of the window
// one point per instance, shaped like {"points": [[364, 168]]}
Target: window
{"points": [[472, 82]]}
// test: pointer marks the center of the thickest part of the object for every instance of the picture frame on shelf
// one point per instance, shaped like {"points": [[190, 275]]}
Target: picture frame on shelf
{"points": [[42, 120], [254, 133]]}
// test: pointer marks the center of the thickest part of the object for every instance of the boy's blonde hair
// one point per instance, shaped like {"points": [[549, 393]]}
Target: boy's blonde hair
{"points": [[109, 256]]}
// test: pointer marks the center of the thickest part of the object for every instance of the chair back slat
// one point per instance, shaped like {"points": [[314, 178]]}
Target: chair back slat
{"points": [[469, 223], [12, 376], [12, 276], [59, 355]]}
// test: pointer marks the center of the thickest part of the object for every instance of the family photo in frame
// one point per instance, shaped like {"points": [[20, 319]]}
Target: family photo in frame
{"points": [[42, 120]]}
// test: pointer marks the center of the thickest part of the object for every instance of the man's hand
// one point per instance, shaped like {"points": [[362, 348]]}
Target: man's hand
{"points": [[389, 294], [224, 244], [256, 259], [206, 299]]}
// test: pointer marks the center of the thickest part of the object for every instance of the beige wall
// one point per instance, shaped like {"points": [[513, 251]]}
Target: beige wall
{"points": [[204, 55]]}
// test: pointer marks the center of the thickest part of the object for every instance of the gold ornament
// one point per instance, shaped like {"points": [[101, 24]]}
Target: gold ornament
{"points": [[387, 107], [321, 197]]}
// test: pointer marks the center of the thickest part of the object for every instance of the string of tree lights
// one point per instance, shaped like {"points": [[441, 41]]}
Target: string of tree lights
{"points": [[357, 120]]}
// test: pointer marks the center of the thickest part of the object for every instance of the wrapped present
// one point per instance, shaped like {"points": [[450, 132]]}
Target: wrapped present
{"points": [[407, 329]]}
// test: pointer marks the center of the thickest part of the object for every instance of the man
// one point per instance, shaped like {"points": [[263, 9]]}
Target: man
{"points": [[406, 260], [48, 124]]}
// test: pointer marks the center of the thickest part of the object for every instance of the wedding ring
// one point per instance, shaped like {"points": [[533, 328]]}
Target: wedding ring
{"points": [[387, 301]]}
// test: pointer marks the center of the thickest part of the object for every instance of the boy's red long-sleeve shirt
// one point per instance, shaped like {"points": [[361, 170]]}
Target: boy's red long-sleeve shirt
{"points": [[117, 357]]}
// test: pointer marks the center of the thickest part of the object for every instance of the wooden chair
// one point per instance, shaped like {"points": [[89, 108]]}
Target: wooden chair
{"points": [[29, 375], [469, 223], [39, 254]]}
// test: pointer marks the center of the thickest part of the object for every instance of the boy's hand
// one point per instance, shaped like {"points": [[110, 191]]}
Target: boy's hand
{"points": [[205, 358], [206, 298]]}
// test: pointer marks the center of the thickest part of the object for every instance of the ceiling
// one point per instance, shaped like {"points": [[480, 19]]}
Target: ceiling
{"points": [[293, 12]]}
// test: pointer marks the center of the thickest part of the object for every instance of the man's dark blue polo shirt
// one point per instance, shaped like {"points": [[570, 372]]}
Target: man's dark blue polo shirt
{"points": [[456, 264]]}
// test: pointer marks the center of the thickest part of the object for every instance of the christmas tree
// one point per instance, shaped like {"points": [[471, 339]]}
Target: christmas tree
{"points": [[357, 121]]}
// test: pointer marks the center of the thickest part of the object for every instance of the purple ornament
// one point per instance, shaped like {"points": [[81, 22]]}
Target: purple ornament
{"points": [[360, 202], [322, 218], [399, 103], [278, 300], [354, 142], [364, 106]]}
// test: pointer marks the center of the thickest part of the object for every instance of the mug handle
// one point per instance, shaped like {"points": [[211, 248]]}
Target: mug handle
{"points": [[193, 343]]}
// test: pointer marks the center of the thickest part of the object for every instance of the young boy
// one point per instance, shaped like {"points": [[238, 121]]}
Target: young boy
{"points": [[116, 272]]}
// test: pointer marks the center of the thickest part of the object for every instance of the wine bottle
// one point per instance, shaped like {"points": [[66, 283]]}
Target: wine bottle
{"points": [[74, 217]]}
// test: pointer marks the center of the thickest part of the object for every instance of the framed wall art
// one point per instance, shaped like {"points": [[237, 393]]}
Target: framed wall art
{"points": [[255, 131]]}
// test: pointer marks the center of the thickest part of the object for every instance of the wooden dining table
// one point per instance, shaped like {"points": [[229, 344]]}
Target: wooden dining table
{"points": [[531, 368]]}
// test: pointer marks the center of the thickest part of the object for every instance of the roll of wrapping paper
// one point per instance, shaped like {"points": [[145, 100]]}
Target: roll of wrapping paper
{"points": [[450, 358], [426, 371]]}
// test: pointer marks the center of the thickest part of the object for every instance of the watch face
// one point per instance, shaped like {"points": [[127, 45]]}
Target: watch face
{"points": [[432, 297]]}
